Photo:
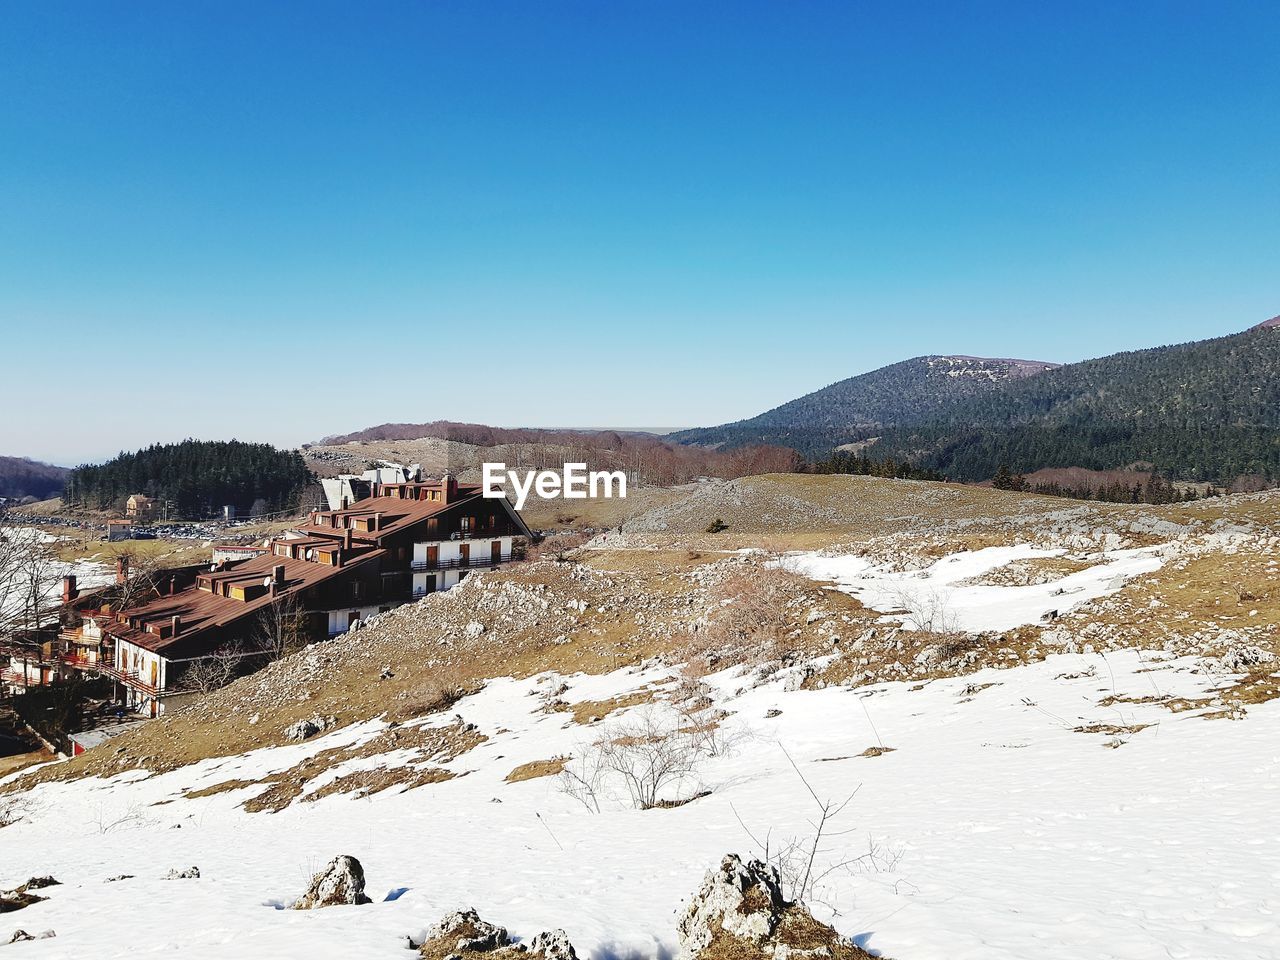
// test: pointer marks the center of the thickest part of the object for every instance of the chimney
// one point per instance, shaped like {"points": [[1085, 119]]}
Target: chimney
{"points": [[176, 624], [173, 586], [69, 591], [277, 574], [346, 502], [377, 521], [122, 569], [448, 488], [346, 538]]}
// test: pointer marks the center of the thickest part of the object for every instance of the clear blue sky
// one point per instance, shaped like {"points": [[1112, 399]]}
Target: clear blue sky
{"points": [[278, 221]]}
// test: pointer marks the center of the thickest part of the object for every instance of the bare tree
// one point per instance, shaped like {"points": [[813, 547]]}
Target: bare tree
{"points": [[140, 578], [28, 579], [29, 598], [216, 670], [281, 627]]}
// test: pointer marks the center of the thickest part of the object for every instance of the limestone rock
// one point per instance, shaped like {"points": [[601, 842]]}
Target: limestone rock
{"points": [[341, 883], [467, 932], [744, 900], [553, 945]]}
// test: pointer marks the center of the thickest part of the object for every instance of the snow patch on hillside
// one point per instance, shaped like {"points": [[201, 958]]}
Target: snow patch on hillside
{"points": [[935, 599]]}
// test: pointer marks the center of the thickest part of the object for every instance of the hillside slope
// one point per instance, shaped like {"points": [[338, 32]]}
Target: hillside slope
{"points": [[21, 477], [909, 392], [1207, 410]]}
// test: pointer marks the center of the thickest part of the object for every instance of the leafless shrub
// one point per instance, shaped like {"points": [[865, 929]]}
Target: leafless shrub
{"points": [[438, 690], [806, 861], [581, 780], [559, 547], [12, 809], [639, 758], [131, 816], [928, 609]]}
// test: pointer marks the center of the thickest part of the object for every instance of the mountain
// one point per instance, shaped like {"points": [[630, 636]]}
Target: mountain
{"points": [[1208, 410], [913, 391], [21, 477]]}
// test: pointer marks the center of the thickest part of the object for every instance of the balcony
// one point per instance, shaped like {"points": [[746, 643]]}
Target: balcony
{"points": [[81, 661], [456, 562], [14, 678], [131, 680]]}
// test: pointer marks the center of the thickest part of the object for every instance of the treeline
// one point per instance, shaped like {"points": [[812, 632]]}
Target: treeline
{"points": [[863, 466], [196, 477], [1155, 489]]}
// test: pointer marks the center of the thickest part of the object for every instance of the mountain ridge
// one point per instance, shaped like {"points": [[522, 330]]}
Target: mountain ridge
{"points": [[1204, 410]]}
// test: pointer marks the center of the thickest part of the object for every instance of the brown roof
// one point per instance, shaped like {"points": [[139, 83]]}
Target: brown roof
{"points": [[397, 515], [202, 610]]}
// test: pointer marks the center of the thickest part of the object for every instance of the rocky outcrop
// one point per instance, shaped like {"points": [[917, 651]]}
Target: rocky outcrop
{"points": [[191, 873], [463, 932], [468, 933], [742, 899], [38, 883], [341, 883], [306, 729], [740, 912], [20, 935], [20, 897], [554, 945]]}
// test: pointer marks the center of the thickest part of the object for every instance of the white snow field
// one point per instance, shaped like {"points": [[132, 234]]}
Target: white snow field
{"points": [[16, 588], [935, 595], [1003, 834]]}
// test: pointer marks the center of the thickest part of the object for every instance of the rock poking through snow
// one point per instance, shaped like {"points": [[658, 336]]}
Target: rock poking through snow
{"points": [[466, 931], [191, 873], [739, 911], [463, 932], [744, 900], [554, 945], [21, 935], [341, 883]]}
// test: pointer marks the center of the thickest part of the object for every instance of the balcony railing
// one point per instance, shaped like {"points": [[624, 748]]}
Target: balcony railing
{"points": [[129, 679], [16, 679], [81, 662], [483, 560]]}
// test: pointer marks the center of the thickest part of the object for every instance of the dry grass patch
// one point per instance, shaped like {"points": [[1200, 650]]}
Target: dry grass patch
{"points": [[433, 745], [593, 711], [537, 768]]}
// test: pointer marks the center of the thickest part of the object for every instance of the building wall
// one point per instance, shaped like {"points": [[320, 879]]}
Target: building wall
{"points": [[340, 620]]}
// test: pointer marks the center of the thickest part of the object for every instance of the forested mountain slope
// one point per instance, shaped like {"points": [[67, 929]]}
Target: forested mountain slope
{"points": [[20, 477], [1206, 410], [913, 391]]}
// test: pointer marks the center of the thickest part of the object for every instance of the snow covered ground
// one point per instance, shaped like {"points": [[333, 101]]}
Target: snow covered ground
{"points": [[46, 572], [934, 598], [1002, 833]]}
